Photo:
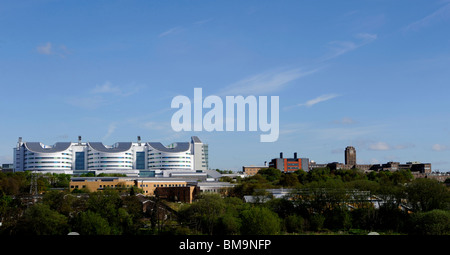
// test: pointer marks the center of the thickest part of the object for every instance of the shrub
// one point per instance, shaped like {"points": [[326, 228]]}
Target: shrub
{"points": [[259, 221], [436, 222]]}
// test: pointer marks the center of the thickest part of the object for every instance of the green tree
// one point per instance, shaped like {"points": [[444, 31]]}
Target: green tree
{"points": [[39, 219], [270, 174], [109, 205], [204, 214], [364, 218], [301, 176], [249, 185], [294, 223], [133, 206], [92, 223], [105, 203], [337, 219], [260, 221], [123, 223], [289, 180], [14, 183], [281, 206], [402, 176], [427, 194], [316, 221], [391, 218], [319, 175], [435, 222], [391, 195], [61, 202], [228, 224]]}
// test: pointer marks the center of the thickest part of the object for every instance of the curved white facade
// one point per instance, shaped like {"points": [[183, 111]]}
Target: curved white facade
{"points": [[121, 157], [48, 161], [168, 160], [39, 157], [109, 161]]}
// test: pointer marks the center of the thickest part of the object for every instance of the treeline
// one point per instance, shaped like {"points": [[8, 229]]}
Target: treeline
{"points": [[320, 201], [19, 183], [338, 200], [59, 213]]}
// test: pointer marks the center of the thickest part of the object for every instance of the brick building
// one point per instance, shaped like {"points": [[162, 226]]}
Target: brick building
{"points": [[252, 170]]}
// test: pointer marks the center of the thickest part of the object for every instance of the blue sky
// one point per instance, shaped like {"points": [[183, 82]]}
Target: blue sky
{"points": [[374, 74]]}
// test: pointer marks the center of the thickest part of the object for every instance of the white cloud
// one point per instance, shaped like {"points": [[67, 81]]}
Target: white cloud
{"points": [[201, 22], [441, 14], [338, 48], [45, 49], [345, 121], [50, 49], [100, 93], [379, 146], [439, 147], [383, 146], [151, 125], [366, 37], [170, 31], [265, 82], [111, 128], [344, 133], [319, 99], [106, 87]]}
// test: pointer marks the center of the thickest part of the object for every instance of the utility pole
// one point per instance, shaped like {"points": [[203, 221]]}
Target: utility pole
{"points": [[33, 186]]}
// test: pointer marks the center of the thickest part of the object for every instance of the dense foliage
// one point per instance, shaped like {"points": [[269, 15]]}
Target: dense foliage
{"points": [[321, 200]]}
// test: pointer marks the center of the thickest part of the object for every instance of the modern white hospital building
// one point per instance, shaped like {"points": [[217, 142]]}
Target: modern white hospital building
{"points": [[130, 158]]}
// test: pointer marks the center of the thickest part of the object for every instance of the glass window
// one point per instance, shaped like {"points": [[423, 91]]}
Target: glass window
{"points": [[79, 161], [140, 160]]}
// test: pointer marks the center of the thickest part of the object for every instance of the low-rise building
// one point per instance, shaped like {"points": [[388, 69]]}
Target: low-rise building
{"points": [[175, 189], [93, 184], [252, 170], [215, 187]]}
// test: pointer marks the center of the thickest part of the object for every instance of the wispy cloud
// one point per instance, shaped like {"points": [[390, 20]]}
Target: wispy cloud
{"points": [[45, 49], [345, 121], [152, 125], [345, 133], [379, 146], [439, 147], [265, 82], [177, 29], [318, 99], [88, 103], [338, 48], [383, 146], [49, 49], [108, 88], [98, 96], [111, 128], [201, 22], [441, 14], [170, 31]]}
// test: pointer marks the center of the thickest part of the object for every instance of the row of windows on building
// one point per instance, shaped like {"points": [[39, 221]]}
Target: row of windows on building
{"points": [[122, 186], [162, 185]]}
